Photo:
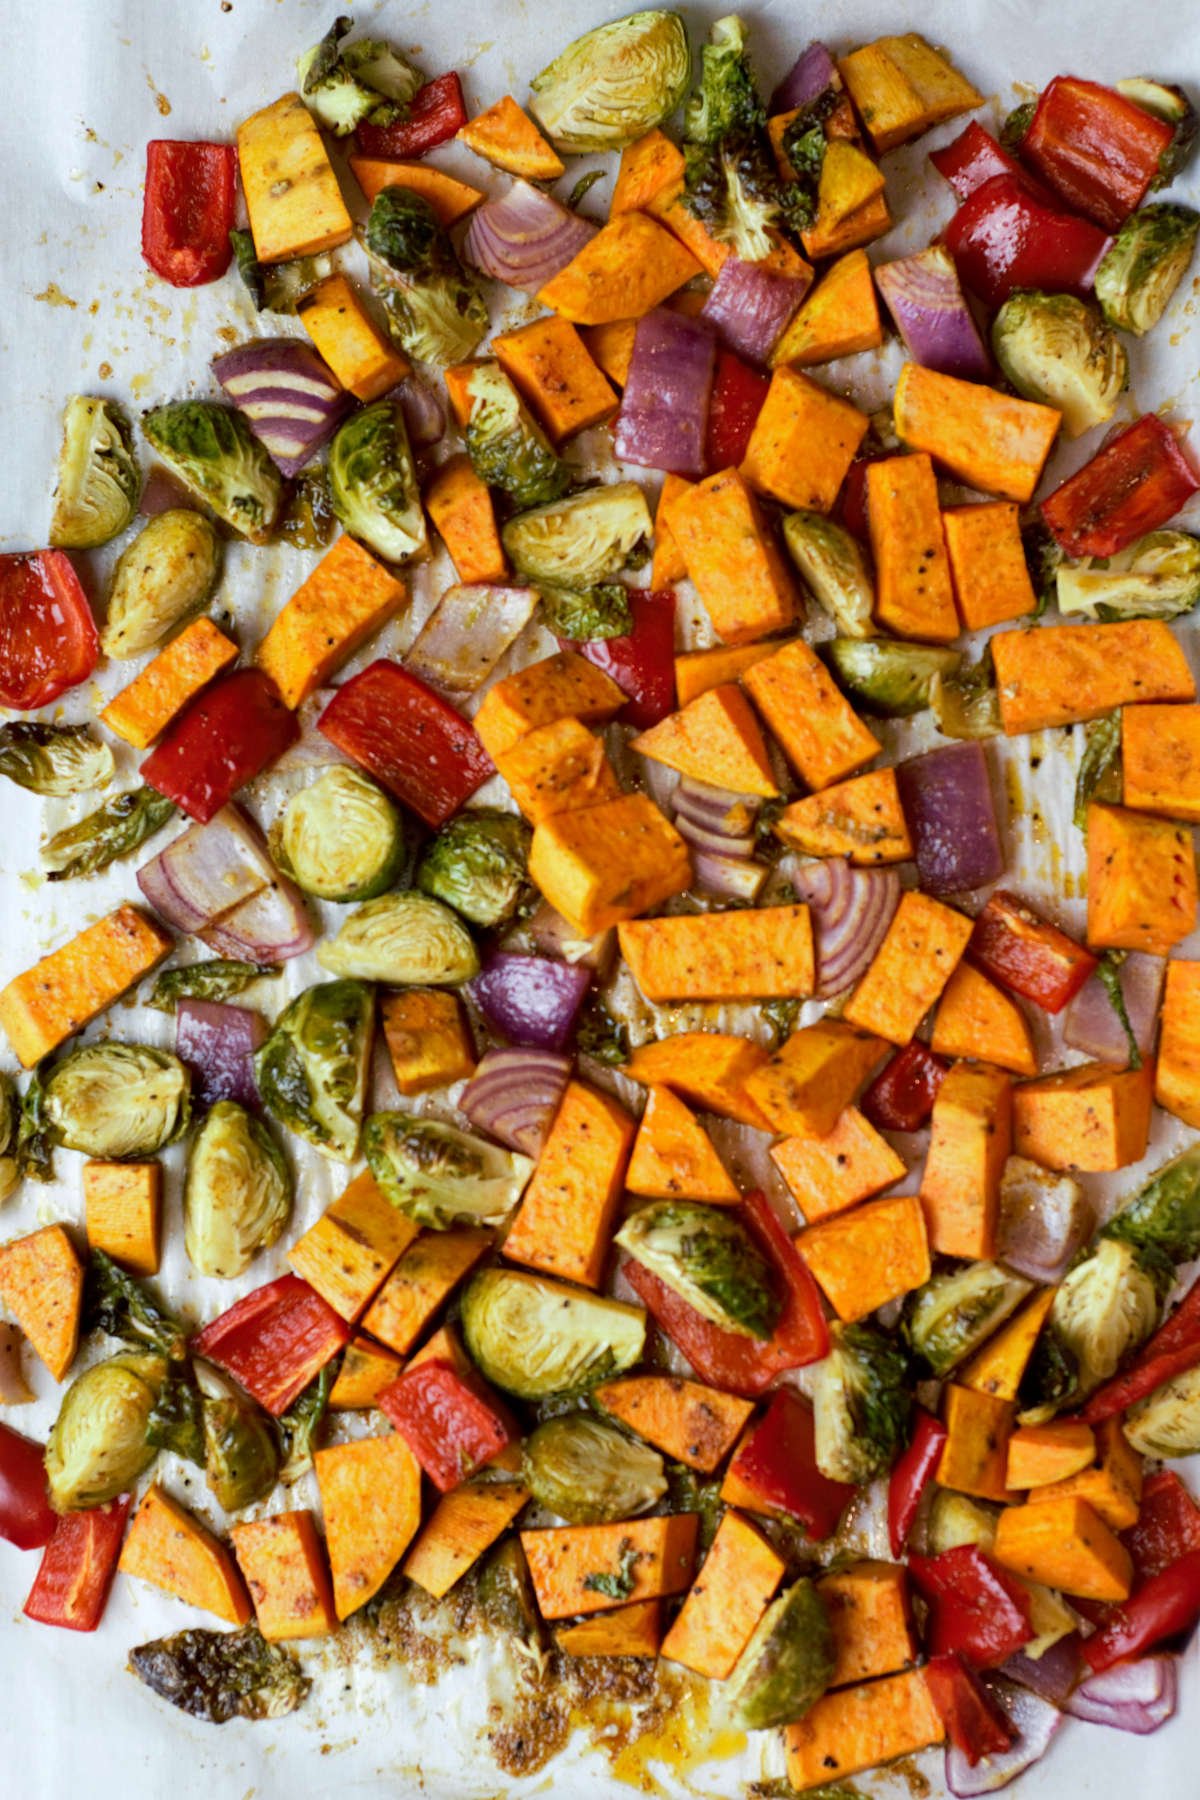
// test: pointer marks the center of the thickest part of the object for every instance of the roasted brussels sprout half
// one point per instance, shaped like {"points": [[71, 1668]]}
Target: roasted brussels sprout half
{"points": [[54, 760], [118, 1100], [177, 1421], [116, 1303], [477, 864], [862, 1403], [1056, 349], [98, 478], [965, 703], [614, 83], [116, 829], [241, 1455], [1106, 1307], [340, 839], [1167, 1422], [788, 1663], [345, 86], [160, 580], [213, 452], [709, 1260], [586, 614], [221, 978], [97, 1447], [582, 539], [508, 448], [955, 1520], [588, 1472], [1164, 1215], [536, 1338], [405, 940], [1156, 578], [1171, 104], [834, 568], [1144, 265], [299, 1426], [955, 1312], [374, 484], [435, 310], [238, 1194], [10, 1121], [278, 287], [312, 1071], [890, 679], [35, 1137], [441, 1176], [222, 1675]]}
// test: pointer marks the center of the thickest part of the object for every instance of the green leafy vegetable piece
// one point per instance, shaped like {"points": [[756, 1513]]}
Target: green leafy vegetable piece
{"points": [[862, 1405], [1109, 976], [211, 449], [618, 1583], [373, 482], [125, 1308], [1164, 1215], [600, 1036], [176, 1422], [35, 1134], [219, 979], [1099, 773], [116, 829], [54, 760], [584, 186], [98, 477], [300, 1425], [585, 616], [508, 448], [221, 1675]]}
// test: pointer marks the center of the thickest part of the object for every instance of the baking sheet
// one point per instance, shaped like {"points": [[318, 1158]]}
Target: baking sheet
{"points": [[89, 82]]}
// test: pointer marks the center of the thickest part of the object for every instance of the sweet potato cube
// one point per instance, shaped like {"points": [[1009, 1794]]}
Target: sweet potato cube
{"points": [[169, 1547], [803, 442], [549, 364], [1065, 674], [944, 92], [1064, 1544], [1160, 760], [353, 1247], [563, 686], [507, 137], [901, 86], [914, 595], [716, 739], [631, 266], [451, 200], [608, 863], [1113, 1488], [41, 1283], [708, 1068], [464, 517], [860, 1727], [292, 194], [557, 768], [814, 1075], [427, 1039], [987, 564], [1093, 1117], [976, 1019], [830, 1174], [850, 201], [345, 334], [654, 1555], [348, 597], [366, 1369], [831, 235], [923, 947], [674, 1158], [696, 671], [650, 167], [1141, 881], [732, 1591], [985, 439], [869, 1614], [998, 1367], [421, 1282], [564, 1221], [861, 819], [839, 317], [974, 1457], [371, 1498], [123, 1212], [969, 1145], [694, 1424], [668, 565], [708, 252], [868, 1256], [611, 349], [758, 953], [283, 1561], [730, 554], [462, 1526], [144, 709], [1177, 1073], [630, 1631], [68, 988], [1041, 1454], [822, 736]]}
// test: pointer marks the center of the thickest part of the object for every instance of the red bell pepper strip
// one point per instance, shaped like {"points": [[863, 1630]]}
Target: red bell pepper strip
{"points": [[231, 733], [972, 158], [737, 399], [408, 738], [453, 1424], [1135, 482], [71, 1586], [27, 1518], [642, 663], [1027, 955], [1173, 1350], [974, 1723], [901, 1096], [911, 1475], [775, 1468], [435, 114], [1095, 148], [1006, 236], [188, 210], [976, 1609], [1167, 1528], [48, 638], [1163, 1607], [274, 1341]]}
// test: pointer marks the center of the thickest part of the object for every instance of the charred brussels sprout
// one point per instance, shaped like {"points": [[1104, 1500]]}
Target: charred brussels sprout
{"points": [[116, 829], [312, 1070], [218, 979], [862, 1403], [238, 1193], [588, 1472], [613, 84], [964, 702], [441, 1176], [214, 453], [177, 1421], [434, 309], [834, 568], [1156, 578], [98, 1447], [1057, 349], [241, 1456], [788, 1663], [587, 614], [1146, 262], [346, 86], [477, 864], [116, 1303], [1167, 1422], [340, 839], [161, 579], [118, 1100], [1171, 104], [953, 1313], [890, 679], [54, 760], [277, 287], [1164, 1215], [10, 1122], [582, 539], [508, 448], [373, 482], [404, 940], [1106, 1307], [537, 1338], [709, 1260], [222, 1675], [98, 478]]}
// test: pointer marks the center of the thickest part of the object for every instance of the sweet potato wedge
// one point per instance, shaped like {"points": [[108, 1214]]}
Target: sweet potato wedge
{"points": [[861, 819], [68, 988], [563, 1224], [830, 1174], [507, 137], [283, 1562], [631, 266], [987, 564], [914, 594], [696, 671], [123, 1212], [974, 1457], [822, 736], [997, 1368], [1092, 1117], [342, 329], [549, 364], [1177, 1071], [371, 1499], [352, 1248], [1141, 877], [464, 516], [142, 711], [608, 863], [1064, 1544], [428, 1039], [41, 1284], [860, 1727], [732, 557], [463, 1525], [976, 1019], [732, 1591], [985, 439], [451, 200], [868, 1609], [348, 598], [813, 1076], [717, 739], [758, 953], [421, 1282], [572, 1566], [1041, 1454], [366, 1369], [169, 1547], [292, 194], [803, 442], [563, 686], [708, 1068], [924, 945], [867, 1256], [674, 1158], [969, 1144], [629, 1631], [696, 1425], [1064, 674]]}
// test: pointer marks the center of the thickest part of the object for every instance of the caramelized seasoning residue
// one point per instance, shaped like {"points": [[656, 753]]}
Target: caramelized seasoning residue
{"points": [[53, 295], [160, 99]]}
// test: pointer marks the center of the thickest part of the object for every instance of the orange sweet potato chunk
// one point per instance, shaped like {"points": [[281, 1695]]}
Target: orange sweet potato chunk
{"points": [[696, 1425], [608, 863], [464, 516], [867, 1256], [969, 1145], [61, 993], [549, 364], [803, 442], [1093, 1118], [830, 1174], [564, 1222], [1160, 760], [656, 1554], [839, 317], [345, 601], [508, 138], [1064, 1544], [716, 739], [974, 1457], [861, 819], [371, 1498], [283, 1561], [976, 1019], [696, 671], [631, 266], [860, 1727], [565, 685], [761, 953], [142, 711], [1177, 1072], [1064, 674], [732, 557], [987, 563], [41, 1284], [169, 1547], [731, 1593], [924, 945], [868, 1609], [1141, 881], [814, 1075], [914, 594], [708, 1068], [822, 736], [123, 1212]]}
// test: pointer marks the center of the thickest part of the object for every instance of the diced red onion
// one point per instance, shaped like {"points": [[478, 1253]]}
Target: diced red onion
{"points": [[424, 411], [514, 1095], [947, 799], [925, 298], [1132, 1696], [1090, 1022], [287, 394], [1033, 1718], [727, 877], [718, 842], [208, 870], [663, 419], [751, 307], [1052, 1675], [851, 910], [525, 237], [272, 926], [534, 1000], [716, 809], [467, 633], [813, 71], [552, 935], [217, 1042], [1043, 1221], [312, 749]]}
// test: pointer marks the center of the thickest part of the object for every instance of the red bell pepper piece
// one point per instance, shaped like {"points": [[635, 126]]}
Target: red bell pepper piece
{"points": [[1135, 482], [1095, 148], [1163, 1607], [1006, 236], [976, 1609], [737, 399], [274, 1341], [1173, 1350], [188, 210], [972, 158], [435, 114], [48, 638], [642, 663], [408, 738], [231, 733], [1167, 1528], [76, 1570], [851, 507], [775, 1468], [911, 1475], [974, 1723], [901, 1096], [450, 1420], [1027, 955], [27, 1518]]}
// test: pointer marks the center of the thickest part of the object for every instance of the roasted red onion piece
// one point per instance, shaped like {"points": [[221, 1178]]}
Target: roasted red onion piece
{"points": [[1090, 1022], [751, 307], [514, 1095], [1044, 1219], [272, 926], [1035, 1722], [533, 1000], [288, 396], [1052, 1675], [467, 633], [947, 799], [1132, 1696], [851, 911], [217, 1042], [424, 411], [525, 237], [208, 870], [813, 71], [663, 419], [925, 298]]}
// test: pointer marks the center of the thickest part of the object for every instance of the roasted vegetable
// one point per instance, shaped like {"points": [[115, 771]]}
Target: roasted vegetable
{"points": [[340, 839], [964, 701], [831, 560], [1164, 1215], [177, 1421], [1056, 349], [1145, 264], [277, 287], [861, 1404], [582, 539], [730, 181], [10, 1125], [708, 1259], [346, 86], [1107, 1306], [219, 979], [160, 581], [312, 1070], [241, 1455], [221, 1675], [586, 614], [1156, 578], [238, 1194], [804, 143], [955, 1311], [477, 864], [788, 1663], [613, 84], [116, 829], [308, 522], [508, 448], [404, 940], [956, 1519], [1167, 1422], [373, 482], [1171, 104], [441, 1176], [300, 1425], [588, 1472], [1099, 774], [54, 760], [213, 452], [97, 1447], [435, 310], [115, 1303], [888, 678], [116, 1100], [98, 477], [537, 1338]]}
